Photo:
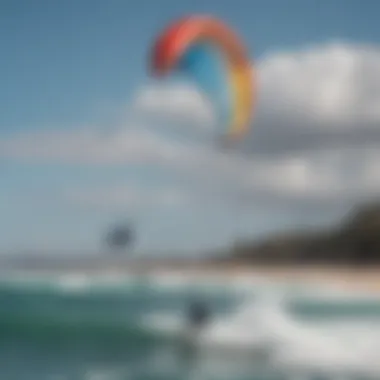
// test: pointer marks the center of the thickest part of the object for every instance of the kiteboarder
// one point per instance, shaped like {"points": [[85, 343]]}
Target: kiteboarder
{"points": [[198, 315], [120, 237]]}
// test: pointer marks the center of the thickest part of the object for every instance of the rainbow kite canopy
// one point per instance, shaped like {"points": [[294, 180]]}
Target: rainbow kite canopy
{"points": [[207, 51]]}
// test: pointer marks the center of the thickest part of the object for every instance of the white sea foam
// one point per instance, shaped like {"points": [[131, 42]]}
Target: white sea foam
{"points": [[265, 327]]}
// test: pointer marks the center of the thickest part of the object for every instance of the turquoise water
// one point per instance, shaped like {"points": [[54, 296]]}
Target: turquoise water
{"points": [[88, 327]]}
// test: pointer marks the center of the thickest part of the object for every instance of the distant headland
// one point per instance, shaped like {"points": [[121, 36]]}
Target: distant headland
{"points": [[354, 241]]}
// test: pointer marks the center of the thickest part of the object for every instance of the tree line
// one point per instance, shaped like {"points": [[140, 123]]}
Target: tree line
{"points": [[353, 241]]}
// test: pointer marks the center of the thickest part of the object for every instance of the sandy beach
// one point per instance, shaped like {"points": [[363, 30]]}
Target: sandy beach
{"points": [[362, 280]]}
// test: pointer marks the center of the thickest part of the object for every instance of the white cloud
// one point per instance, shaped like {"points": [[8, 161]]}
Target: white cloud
{"points": [[325, 175], [334, 86], [316, 134], [127, 195], [179, 105], [87, 146]]}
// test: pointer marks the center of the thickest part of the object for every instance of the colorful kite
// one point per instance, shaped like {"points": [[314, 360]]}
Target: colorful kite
{"points": [[205, 50]]}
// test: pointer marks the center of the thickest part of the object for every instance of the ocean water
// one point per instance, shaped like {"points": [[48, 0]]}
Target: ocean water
{"points": [[76, 326]]}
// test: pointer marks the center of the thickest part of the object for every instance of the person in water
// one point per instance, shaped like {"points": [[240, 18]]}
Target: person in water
{"points": [[198, 314]]}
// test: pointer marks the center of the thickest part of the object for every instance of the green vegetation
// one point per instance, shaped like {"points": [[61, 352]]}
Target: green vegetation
{"points": [[355, 241]]}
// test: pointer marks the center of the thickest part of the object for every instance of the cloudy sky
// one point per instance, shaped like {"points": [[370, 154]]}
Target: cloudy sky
{"points": [[88, 139]]}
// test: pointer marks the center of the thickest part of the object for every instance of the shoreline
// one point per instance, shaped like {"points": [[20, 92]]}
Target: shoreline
{"points": [[365, 279]]}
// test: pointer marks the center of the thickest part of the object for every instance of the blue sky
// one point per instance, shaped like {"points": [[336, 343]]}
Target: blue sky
{"points": [[78, 64]]}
